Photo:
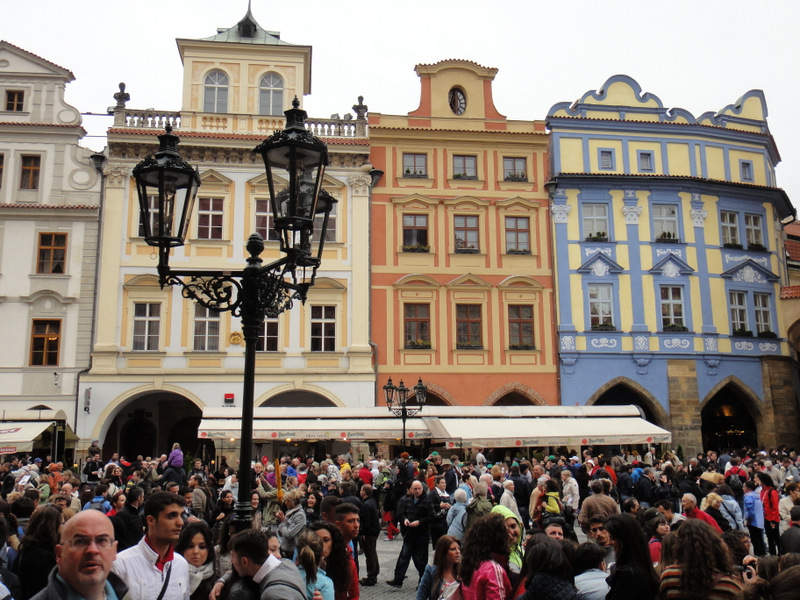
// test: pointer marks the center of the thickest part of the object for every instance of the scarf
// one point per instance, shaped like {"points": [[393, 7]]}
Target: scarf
{"points": [[198, 575]]}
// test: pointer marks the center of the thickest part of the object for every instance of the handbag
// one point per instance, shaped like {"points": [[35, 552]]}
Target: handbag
{"points": [[451, 592]]}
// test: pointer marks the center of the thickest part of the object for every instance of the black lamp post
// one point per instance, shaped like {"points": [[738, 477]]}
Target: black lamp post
{"points": [[397, 401], [295, 162]]}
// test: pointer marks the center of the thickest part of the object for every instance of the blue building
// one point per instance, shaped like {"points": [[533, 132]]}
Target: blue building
{"points": [[669, 261]]}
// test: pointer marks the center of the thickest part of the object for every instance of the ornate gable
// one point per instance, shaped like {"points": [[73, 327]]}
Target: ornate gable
{"points": [[600, 265], [671, 266], [750, 272]]}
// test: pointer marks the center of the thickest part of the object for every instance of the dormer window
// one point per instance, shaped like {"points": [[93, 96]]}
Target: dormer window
{"points": [[215, 98], [271, 94]]}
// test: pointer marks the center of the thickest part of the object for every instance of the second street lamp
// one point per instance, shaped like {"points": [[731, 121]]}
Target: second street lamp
{"points": [[295, 162], [397, 401]]}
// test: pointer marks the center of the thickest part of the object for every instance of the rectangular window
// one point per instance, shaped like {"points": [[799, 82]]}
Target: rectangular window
{"points": [[45, 341], [415, 165], [515, 169], [152, 211], [520, 327], [665, 222], [330, 233], [15, 100], [465, 167], [606, 159], [415, 233], [146, 325], [737, 302], [268, 338], [29, 173], [206, 329], [746, 170], [2, 161], [323, 328], [465, 228], [52, 253], [264, 221], [730, 227], [753, 230], [468, 327], [417, 324], [601, 306], [646, 162], [595, 221], [518, 235], [672, 307], [763, 311], [210, 218]]}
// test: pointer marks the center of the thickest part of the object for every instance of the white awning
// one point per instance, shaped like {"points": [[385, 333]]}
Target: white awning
{"points": [[453, 425], [19, 436]]}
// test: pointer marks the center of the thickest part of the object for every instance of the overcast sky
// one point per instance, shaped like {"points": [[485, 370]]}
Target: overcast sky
{"points": [[698, 55]]}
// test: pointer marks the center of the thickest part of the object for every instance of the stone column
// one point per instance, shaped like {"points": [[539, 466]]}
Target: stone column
{"points": [[684, 406]]}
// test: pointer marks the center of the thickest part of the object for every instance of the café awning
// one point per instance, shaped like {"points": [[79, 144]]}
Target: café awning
{"points": [[19, 436], [452, 425]]}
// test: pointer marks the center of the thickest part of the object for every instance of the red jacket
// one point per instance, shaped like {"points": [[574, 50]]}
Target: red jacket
{"points": [[769, 498], [696, 513]]}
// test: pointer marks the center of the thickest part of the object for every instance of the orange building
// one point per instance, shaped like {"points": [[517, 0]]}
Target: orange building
{"points": [[462, 282]]}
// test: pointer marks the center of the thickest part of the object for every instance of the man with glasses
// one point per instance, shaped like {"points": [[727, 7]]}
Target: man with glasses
{"points": [[151, 569], [83, 561]]}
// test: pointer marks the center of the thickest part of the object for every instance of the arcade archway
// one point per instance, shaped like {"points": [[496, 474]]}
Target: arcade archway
{"points": [[727, 420], [297, 398], [623, 392]]}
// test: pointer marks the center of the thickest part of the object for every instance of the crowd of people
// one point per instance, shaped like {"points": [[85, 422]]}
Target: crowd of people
{"points": [[500, 528]]}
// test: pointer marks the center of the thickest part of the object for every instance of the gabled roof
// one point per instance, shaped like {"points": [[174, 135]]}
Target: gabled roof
{"points": [[49, 66], [600, 265], [750, 271], [671, 266]]}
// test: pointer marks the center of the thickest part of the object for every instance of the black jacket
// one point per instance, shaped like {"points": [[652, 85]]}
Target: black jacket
{"points": [[370, 518], [128, 527], [421, 510]]}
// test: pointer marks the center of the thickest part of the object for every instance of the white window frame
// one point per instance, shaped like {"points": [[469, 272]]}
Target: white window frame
{"points": [[215, 92], [762, 305], [729, 223], [673, 309], [518, 240], [737, 310], [753, 229], [270, 95], [662, 222], [269, 336], [591, 222], [600, 296], [206, 329], [323, 328], [149, 339]]}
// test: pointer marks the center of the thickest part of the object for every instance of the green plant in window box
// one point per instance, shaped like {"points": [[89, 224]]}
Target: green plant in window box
{"points": [[757, 247], [666, 237], [733, 246], [742, 333], [767, 334], [518, 252], [516, 177], [418, 344], [600, 236], [673, 328], [417, 248], [465, 346], [606, 325], [521, 347]]}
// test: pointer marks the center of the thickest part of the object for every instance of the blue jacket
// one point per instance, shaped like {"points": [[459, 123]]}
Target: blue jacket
{"points": [[456, 519], [753, 510], [425, 591]]}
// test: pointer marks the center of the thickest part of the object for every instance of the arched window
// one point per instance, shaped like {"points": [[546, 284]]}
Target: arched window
{"points": [[271, 94], [215, 99]]}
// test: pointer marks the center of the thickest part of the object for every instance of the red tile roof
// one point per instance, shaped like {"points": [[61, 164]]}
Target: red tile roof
{"points": [[793, 249], [34, 206], [792, 228], [337, 141], [790, 291], [37, 56]]}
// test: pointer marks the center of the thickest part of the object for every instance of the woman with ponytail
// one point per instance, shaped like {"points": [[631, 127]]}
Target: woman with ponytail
{"points": [[308, 558]]}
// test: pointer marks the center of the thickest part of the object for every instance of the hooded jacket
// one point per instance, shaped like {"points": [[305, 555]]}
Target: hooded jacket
{"points": [[515, 558]]}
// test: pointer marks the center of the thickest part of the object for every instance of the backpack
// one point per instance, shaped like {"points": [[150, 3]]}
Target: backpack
{"points": [[735, 482], [98, 505]]}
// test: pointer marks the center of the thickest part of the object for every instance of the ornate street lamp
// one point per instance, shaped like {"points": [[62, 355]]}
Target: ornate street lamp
{"points": [[397, 401], [295, 162]]}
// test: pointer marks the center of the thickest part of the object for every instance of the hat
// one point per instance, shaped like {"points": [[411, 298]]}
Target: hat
{"points": [[404, 455], [575, 458], [551, 457], [446, 462], [434, 453], [589, 461]]}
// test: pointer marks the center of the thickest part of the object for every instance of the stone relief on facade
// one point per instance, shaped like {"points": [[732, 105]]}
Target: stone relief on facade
{"points": [[560, 212], [117, 176], [676, 343], [640, 342], [711, 366], [670, 270], [599, 269], [641, 363], [632, 214], [711, 344], [569, 364], [699, 217], [604, 342], [667, 251], [768, 347], [759, 260], [568, 342], [749, 275], [360, 184], [743, 345], [592, 251]]}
